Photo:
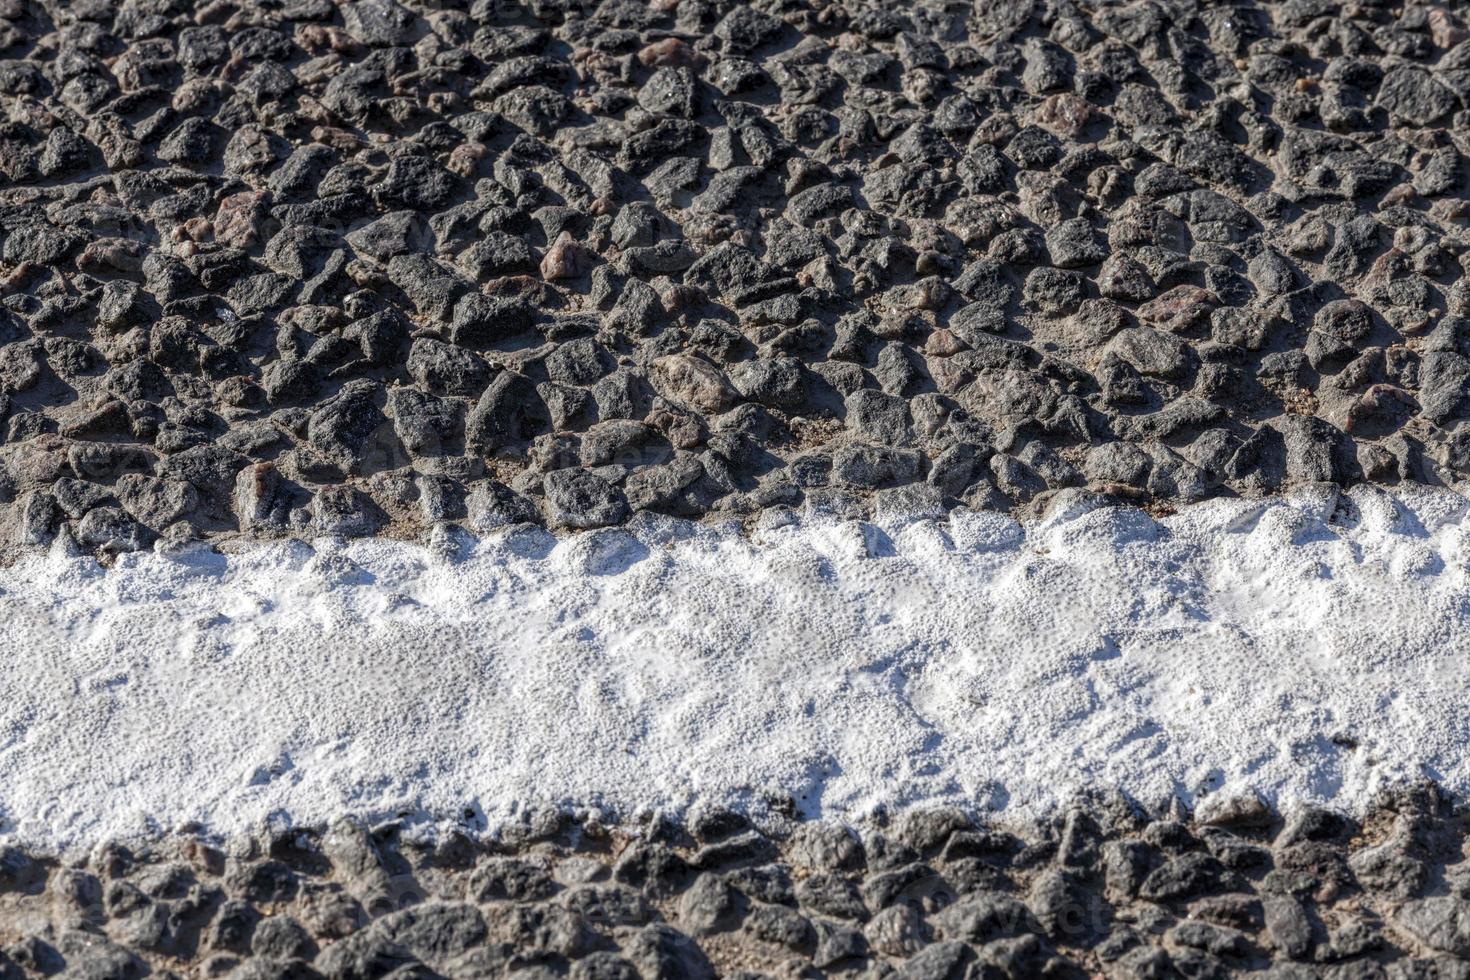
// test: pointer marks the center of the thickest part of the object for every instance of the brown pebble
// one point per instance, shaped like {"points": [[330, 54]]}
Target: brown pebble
{"points": [[670, 52], [564, 260]]}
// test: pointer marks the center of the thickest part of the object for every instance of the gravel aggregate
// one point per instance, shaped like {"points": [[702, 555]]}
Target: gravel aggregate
{"points": [[312, 267], [1104, 890], [320, 268]]}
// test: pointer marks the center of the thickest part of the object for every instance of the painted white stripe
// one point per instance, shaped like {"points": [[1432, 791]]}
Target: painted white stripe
{"points": [[1304, 649]]}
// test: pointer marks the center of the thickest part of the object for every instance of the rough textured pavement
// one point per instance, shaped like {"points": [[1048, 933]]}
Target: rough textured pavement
{"points": [[308, 267], [1103, 890]]}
